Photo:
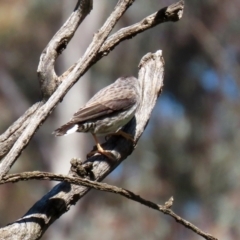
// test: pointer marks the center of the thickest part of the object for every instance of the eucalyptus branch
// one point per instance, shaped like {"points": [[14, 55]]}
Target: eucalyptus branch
{"points": [[81, 67], [173, 12], [49, 81], [55, 203], [60, 41], [46, 72], [106, 188]]}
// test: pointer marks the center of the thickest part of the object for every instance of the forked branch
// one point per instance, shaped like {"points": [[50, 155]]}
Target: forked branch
{"points": [[81, 67], [35, 222], [57, 44], [64, 195]]}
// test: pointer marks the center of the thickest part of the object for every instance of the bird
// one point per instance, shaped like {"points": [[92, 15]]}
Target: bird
{"points": [[106, 112]]}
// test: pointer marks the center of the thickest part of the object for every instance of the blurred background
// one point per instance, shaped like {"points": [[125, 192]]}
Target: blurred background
{"points": [[190, 149]]}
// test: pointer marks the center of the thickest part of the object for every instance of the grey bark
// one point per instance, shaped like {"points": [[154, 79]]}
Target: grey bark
{"points": [[77, 98], [13, 133], [58, 201], [36, 221]]}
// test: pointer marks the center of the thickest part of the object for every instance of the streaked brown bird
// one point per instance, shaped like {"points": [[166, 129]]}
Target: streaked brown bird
{"points": [[106, 112]]}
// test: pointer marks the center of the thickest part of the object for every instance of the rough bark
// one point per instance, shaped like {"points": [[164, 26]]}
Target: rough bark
{"points": [[36, 221], [58, 201], [77, 166], [170, 13], [81, 67]]}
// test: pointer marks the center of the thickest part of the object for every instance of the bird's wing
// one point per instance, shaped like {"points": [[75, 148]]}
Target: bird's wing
{"points": [[97, 109]]}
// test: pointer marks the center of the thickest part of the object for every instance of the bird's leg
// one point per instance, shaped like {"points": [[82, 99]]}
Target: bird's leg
{"points": [[106, 153], [123, 134]]}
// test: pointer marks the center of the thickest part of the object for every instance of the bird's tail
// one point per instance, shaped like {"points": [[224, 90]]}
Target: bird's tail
{"points": [[66, 129]]}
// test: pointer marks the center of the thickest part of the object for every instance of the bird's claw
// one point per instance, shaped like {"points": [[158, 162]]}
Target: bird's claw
{"points": [[122, 134], [106, 153]]}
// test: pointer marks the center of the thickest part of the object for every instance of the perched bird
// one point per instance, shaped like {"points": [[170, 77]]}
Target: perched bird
{"points": [[106, 112]]}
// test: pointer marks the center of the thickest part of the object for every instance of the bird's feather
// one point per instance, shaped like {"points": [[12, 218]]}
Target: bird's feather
{"points": [[118, 100], [99, 110]]}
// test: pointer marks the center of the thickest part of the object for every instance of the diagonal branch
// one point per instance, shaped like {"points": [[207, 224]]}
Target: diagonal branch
{"points": [[173, 12], [10, 136], [55, 203], [81, 67], [44, 212], [106, 188], [46, 73], [18, 123]]}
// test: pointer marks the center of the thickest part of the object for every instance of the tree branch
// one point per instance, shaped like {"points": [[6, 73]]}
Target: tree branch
{"points": [[46, 72], [58, 201], [81, 67], [64, 195], [10, 136], [106, 188], [173, 12]]}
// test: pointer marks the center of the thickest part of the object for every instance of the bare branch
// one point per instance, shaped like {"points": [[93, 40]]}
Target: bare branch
{"points": [[64, 195], [107, 188], [46, 72], [58, 201], [81, 67], [17, 124], [10, 136], [174, 11]]}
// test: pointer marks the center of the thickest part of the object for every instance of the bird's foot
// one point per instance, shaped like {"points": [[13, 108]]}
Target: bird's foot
{"points": [[123, 134], [100, 150], [106, 153]]}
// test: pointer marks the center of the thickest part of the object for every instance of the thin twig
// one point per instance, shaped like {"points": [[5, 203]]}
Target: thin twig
{"points": [[173, 12], [19, 122], [10, 136], [106, 188]]}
